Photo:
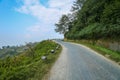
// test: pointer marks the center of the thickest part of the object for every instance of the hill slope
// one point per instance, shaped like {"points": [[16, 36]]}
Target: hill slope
{"points": [[29, 65]]}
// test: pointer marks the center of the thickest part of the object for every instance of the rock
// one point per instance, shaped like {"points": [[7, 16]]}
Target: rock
{"points": [[43, 57], [57, 47], [52, 51]]}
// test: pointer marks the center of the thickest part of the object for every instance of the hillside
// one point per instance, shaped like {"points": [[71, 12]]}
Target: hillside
{"points": [[93, 20], [28, 65], [94, 23]]}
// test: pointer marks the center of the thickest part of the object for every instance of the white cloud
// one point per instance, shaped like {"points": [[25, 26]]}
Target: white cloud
{"points": [[35, 28], [47, 16], [60, 4]]}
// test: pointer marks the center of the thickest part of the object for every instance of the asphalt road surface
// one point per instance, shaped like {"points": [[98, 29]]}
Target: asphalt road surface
{"points": [[78, 62]]}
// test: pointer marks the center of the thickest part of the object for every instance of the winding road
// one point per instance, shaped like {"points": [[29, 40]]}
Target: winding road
{"points": [[77, 62]]}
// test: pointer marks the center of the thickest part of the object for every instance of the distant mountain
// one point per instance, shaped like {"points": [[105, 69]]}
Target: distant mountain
{"points": [[6, 51]]}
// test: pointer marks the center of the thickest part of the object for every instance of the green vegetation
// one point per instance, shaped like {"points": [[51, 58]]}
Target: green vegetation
{"points": [[29, 65], [10, 51], [114, 55], [92, 20]]}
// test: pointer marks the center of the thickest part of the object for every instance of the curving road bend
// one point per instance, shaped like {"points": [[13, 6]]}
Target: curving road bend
{"points": [[78, 62]]}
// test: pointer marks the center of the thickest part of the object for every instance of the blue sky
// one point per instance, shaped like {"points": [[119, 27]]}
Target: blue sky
{"points": [[30, 20]]}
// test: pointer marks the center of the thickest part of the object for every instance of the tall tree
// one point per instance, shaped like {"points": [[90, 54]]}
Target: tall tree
{"points": [[78, 5], [92, 19], [63, 25]]}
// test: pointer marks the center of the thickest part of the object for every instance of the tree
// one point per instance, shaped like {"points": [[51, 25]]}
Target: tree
{"points": [[63, 25], [92, 19], [78, 5]]}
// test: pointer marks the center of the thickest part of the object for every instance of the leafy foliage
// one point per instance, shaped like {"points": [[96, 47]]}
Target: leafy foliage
{"points": [[26, 66], [62, 25], [95, 19]]}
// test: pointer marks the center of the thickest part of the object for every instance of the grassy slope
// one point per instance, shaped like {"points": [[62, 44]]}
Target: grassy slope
{"points": [[29, 66], [113, 55]]}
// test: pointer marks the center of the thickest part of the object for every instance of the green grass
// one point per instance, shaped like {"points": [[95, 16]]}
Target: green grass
{"points": [[28, 65], [113, 55]]}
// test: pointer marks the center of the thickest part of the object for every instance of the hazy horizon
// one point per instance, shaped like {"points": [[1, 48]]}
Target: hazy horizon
{"points": [[30, 20]]}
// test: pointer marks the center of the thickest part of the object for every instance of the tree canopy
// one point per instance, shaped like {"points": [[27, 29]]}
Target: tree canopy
{"points": [[92, 19]]}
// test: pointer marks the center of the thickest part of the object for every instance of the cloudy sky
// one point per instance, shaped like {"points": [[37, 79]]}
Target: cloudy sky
{"points": [[30, 20]]}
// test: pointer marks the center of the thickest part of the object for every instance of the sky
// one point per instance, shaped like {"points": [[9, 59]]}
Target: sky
{"points": [[30, 20]]}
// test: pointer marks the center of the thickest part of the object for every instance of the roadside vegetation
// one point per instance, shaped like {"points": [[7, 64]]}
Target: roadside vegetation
{"points": [[93, 20], [114, 55], [29, 65]]}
